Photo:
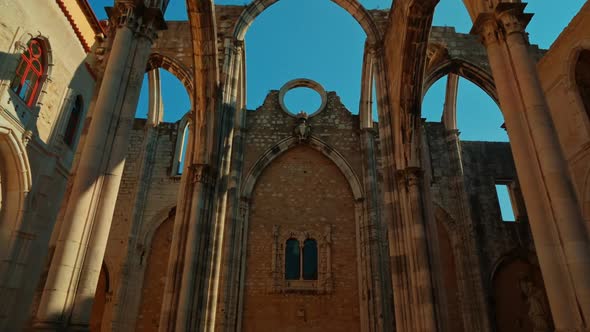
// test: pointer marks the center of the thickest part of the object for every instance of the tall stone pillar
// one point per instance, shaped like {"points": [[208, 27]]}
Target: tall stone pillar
{"points": [[375, 282], [127, 299], [73, 275], [410, 189], [471, 284], [555, 216]]}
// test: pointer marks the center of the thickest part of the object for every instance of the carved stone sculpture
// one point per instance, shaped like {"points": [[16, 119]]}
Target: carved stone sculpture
{"points": [[302, 129], [537, 306]]}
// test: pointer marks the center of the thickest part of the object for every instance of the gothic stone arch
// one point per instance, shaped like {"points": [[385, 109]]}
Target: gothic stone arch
{"points": [[16, 183], [360, 14], [234, 301], [468, 60], [286, 144]]}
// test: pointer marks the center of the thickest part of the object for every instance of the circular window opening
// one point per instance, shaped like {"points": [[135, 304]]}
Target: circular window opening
{"points": [[302, 99]]}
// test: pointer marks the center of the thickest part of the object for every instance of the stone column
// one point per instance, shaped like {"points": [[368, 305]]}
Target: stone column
{"points": [[73, 275], [127, 299], [555, 216], [232, 246], [410, 190], [470, 282], [375, 283], [184, 298], [391, 207]]}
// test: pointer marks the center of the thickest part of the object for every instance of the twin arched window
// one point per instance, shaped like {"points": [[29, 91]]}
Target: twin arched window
{"points": [[300, 259], [30, 71]]}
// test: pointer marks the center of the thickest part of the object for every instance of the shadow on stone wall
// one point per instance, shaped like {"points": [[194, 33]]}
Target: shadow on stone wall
{"points": [[29, 229]]}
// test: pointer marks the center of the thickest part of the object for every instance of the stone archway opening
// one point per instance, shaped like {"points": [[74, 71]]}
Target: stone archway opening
{"points": [[476, 115], [164, 95], [310, 46]]}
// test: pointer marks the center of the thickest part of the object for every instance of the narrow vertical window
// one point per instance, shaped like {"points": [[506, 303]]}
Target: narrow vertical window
{"points": [[505, 201], [310, 260], [183, 148], [292, 260], [73, 122], [30, 70]]}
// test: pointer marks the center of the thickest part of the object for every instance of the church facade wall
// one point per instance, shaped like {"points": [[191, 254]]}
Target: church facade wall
{"points": [[569, 110], [37, 132]]}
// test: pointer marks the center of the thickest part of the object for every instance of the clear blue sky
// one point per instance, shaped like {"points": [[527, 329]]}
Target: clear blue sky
{"points": [[319, 40]]}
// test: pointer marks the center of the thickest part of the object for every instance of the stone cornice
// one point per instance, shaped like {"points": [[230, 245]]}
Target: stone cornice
{"points": [[74, 26]]}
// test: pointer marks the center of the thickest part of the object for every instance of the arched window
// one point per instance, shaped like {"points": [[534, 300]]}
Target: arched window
{"points": [[31, 68], [292, 260], [73, 122], [310, 260]]}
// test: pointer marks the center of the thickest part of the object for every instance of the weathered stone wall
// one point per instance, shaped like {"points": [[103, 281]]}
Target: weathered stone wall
{"points": [[335, 126], [152, 294], [557, 71], [484, 164], [301, 191], [146, 198], [34, 160]]}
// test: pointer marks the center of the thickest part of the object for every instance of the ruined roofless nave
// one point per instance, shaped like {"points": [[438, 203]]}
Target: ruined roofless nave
{"points": [[271, 219]]}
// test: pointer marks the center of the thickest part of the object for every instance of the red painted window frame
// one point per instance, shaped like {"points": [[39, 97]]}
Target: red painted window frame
{"points": [[29, 72]]}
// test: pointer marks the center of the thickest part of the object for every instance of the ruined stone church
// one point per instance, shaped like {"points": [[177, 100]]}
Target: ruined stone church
{"points": [[276, 220]]}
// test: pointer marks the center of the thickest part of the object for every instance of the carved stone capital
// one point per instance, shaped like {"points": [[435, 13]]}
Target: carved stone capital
{"points": [[123, 15], [375, 49], [201, 173], [512, 18], [238, 46], [487, 28], [144, 22]]}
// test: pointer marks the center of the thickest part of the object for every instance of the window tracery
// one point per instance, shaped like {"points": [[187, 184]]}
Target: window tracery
{"points": [[29, 72], [301, 261]]}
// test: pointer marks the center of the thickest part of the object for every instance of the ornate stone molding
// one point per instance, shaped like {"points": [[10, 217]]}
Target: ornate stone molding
{"points": [[375, 49], [507, 19], [487, 28], [238, 46], [512, 18], [142, 21]]}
